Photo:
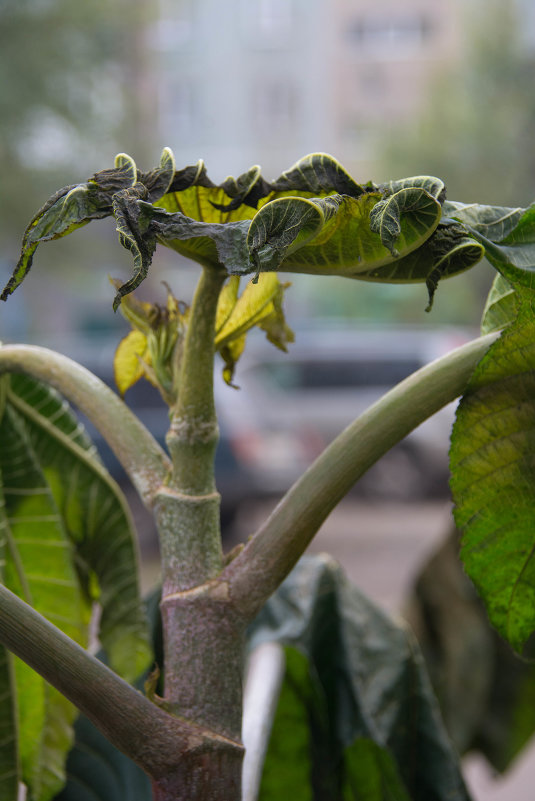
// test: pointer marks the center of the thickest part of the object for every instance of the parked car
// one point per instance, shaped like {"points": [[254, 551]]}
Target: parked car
{"points": [[291, 405]]}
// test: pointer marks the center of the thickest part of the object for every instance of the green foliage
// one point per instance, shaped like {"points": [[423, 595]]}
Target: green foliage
{"points": [[501, 306], [67, 541], [313, 219], [356, 717], [493, 473]]}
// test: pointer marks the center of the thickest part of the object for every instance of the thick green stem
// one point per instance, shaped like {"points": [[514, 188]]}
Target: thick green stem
{"points": [[136, 449], [270, 555], [193, 435], [203, 638], [187, 511]]}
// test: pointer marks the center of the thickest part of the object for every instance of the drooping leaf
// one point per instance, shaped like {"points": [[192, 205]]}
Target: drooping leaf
{"points": [[355, 685], [67, 210], [67, 540], [95, 517], [493, 473], [448, 251], [314, 218], [39, 568]]}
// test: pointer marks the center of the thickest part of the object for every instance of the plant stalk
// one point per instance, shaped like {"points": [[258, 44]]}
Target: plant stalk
{"points": [[136, 449], [269, 556], [203, 637]]}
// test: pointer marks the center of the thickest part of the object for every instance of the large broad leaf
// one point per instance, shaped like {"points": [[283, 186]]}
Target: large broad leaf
{"points": [[314, 218], [67, 542], [96, 518], [493, 475], [38, 566], [356, 717]]}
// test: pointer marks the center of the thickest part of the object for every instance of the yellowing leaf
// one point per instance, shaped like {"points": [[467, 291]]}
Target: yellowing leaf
{"points": [[128, 360], [227, 301], [250, 308]]}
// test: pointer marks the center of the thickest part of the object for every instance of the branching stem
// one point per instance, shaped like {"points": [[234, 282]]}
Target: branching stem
{"points": [[275, 548]]}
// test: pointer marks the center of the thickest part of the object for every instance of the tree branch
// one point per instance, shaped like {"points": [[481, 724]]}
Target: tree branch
{"points": [[136, 449], [275, 548]]}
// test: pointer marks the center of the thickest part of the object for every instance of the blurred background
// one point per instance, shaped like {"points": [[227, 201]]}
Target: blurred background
{"points": [[391, 88]]}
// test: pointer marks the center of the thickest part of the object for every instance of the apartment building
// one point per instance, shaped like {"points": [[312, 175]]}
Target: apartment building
{"points": [[267, 81]]}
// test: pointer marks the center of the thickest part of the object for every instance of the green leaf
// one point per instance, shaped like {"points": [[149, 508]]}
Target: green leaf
{"points": [[501, 306], [96, 519], [354, 686], [314, 218], [493, 475], [425, 212], [371, 774], [508, 236], [67, 210], [447, 252], [65, 535], [9, 751], [38, 567]]}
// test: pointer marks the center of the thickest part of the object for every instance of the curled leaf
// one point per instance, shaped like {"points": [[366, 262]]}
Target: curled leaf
{"points": [[314, 219]]}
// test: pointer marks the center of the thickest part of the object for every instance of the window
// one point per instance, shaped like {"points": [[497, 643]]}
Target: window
{"points": [[268, 22], [390, 32]]}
